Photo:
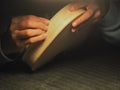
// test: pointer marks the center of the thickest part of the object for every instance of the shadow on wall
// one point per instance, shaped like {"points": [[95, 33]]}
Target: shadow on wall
{"points": [[45, 8]]}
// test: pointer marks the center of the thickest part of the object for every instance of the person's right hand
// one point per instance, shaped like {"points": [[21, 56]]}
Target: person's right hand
{"points": [[95, 10], [28, 29]]}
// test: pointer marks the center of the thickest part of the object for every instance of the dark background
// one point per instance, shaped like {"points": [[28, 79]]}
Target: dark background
{"points": [[94, 65]]}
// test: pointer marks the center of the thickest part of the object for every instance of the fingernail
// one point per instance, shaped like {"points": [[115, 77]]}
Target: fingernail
{"points": [[45, 35], [71, 8], [74, 24], [47, 22], [73, 30], [46, 28]]}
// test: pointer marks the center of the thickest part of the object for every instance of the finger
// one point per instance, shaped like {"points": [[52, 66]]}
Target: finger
{"points": [[77, 5], [85, 17], [36, 39], [45, 21], [85, 25], [28, 25], [94, 19], [98, 16], [73, 30], [23, 34], [30, 18], [23, 43], [37, 19], [29, 21], [32, 25]]}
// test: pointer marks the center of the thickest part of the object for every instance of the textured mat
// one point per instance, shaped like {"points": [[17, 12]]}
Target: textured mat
{"points": [[94, 66]]}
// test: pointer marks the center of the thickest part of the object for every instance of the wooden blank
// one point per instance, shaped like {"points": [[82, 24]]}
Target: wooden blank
{"points": [[59, 39]]}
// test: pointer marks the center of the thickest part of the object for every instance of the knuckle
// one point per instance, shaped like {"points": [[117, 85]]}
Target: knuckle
{"points": [[27, 21], [30, 16], [26, 32]]}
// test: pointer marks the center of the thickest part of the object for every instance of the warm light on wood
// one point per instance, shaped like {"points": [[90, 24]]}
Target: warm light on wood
{"points": [[59, 38]]}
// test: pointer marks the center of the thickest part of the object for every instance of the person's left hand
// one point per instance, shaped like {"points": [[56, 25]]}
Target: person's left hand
{"points": [[28, 29]]}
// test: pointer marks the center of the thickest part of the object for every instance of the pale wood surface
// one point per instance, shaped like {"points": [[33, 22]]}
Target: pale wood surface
{"points": [[59, 39]]}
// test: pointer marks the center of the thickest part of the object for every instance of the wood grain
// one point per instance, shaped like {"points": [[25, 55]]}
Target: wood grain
{"points": [[59, 39]]}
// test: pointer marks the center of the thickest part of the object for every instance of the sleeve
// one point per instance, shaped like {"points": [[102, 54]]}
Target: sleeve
{"points": [[110, 24], [8, 49], [7, 9], [3, 58], [4, 24]]}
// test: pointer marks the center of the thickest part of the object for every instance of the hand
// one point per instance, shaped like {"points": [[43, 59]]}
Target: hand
{"points": [[95, 10], [28, 29]]}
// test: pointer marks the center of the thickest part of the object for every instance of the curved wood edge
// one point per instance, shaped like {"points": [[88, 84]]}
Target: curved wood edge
{"points": [[57, 24]]}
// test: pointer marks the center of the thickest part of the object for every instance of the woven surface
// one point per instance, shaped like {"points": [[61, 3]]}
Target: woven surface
{"points": [[94, 66]]}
